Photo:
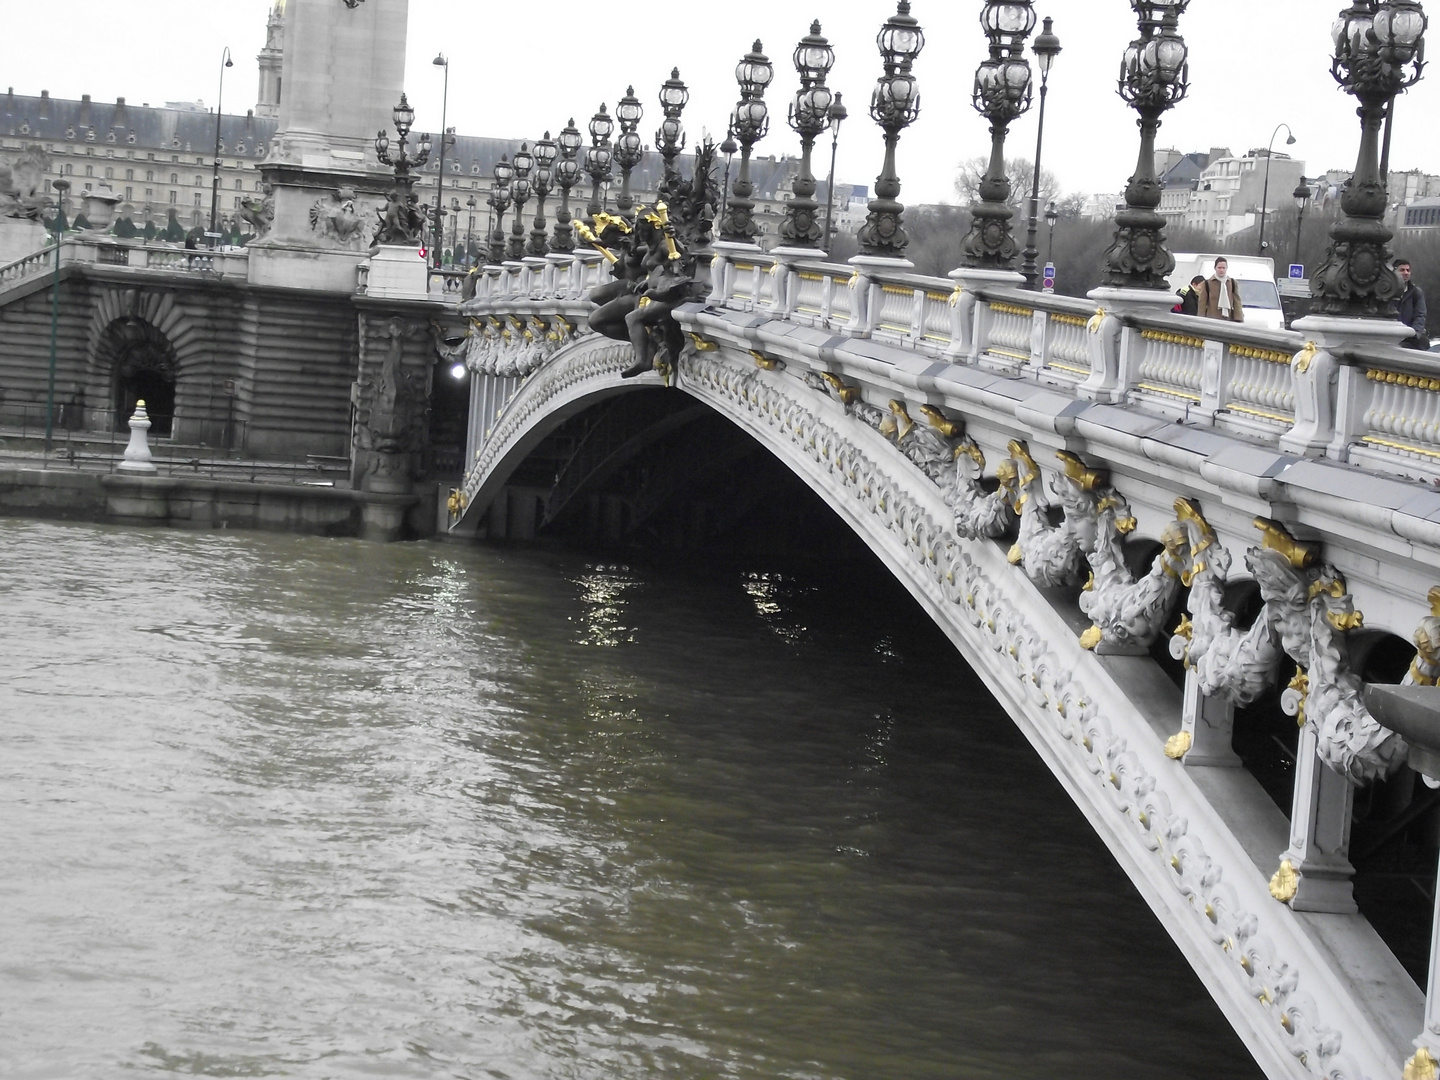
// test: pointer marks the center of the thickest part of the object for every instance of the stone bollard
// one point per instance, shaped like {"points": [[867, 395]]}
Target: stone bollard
{"points": [[137, 454]]}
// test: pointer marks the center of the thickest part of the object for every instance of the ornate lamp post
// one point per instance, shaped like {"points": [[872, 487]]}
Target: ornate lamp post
{"points": [[545, 151], [219, 115], [403, 162], [1301, 195], [670, 137], [454, 228], [470, 231], [750, 123], [1052, 215], [567, 175], [1265, 194], [809, 116], [1002, 93], [838, 114], [520, 192], [1154, 77], [1379, 51], [894, 105], [598, 158], [1046, 49], [500, 202], [628, 148]]}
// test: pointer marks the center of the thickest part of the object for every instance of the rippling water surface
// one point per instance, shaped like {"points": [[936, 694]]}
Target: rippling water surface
{"points": [[274, 806]]}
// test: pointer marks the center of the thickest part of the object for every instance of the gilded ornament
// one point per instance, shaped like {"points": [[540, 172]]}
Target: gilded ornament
{"points": [[1421, 1066], [1425, 671], [1275, 537], [848, 395], [1306, 356], [1286, 882], [1084, 478], [1096, 320], [1092, 637], [1177, 746], [763, 361], [951, 429]]}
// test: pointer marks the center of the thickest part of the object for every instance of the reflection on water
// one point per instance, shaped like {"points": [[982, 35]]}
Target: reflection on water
{"points": [[281, 806]]}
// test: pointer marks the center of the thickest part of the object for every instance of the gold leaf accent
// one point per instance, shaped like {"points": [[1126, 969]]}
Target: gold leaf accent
{"points": [[1301, 685], [701, 345], [1275, 537], [1092, 637], [1421, 1066], [1177, 746], [1306, 356], [1089, 583], [1286, 882], [1096, 320], [763, 361], [1016, 556], [1012, 309]]}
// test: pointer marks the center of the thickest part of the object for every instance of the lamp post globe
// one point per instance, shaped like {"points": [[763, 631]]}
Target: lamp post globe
{"points": [[894, 105], [567, 175], [629, 149], [598, 159], [809, 117], [670, 137], [837, 116], [500, 202], [750, 122]]}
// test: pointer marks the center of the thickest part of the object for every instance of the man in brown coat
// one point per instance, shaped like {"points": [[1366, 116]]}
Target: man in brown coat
{"points": [[1220, 296]]}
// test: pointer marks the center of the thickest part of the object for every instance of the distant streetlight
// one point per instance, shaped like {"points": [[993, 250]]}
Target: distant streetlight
{"points": [[838, 114], [219, 112], [1265, 195], [441, 62], [1046, 48], [1302, 200]]}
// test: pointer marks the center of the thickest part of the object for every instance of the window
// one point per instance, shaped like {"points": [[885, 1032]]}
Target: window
{"points": [[89, 170], [199, 181], [259, 185], [129, 174], [237, 200], [174, 196], [198, 196], [129, 194], [239, 185], [69, 169], [148, 193], [174, 178], [149, 176], [109, 174]]}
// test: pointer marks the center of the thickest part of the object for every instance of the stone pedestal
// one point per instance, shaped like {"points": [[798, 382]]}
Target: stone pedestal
{"points": [[963, 335], [137, 453], [1325, 388], [398, 273], [1111, 351]]}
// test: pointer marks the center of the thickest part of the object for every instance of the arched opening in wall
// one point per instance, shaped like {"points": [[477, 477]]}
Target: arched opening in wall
{"points": [[143, 367]]}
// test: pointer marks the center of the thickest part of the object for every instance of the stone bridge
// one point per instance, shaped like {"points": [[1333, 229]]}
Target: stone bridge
{"points": [[1177, 551]]}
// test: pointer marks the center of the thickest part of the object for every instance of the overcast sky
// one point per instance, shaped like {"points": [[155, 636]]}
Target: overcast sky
{"points": [[517, 70]]}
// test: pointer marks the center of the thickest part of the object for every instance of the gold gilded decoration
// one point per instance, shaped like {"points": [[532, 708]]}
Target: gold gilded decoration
{"points": [[661, 220], [1270, 356], [897, 290], [1306, 356], [603, 221], [1400, 378], [951, 429], [898, 424], [1408, 448], [701, 345], [1177, 746], [848, 395], [1069, 320], [1092, 637], [1286, 882], [456, 503], [583, 231], [1011, 309], [1167, 338], [1016, 556], [955, 296], [1096, 320], [763, 361], [1084, 478], [1425, 671], [1089, 585], [1300, 686], [1421, 1066], [1275, 537]]}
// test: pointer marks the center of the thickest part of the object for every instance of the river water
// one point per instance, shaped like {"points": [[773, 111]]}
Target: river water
{"points": [[279, 806]]}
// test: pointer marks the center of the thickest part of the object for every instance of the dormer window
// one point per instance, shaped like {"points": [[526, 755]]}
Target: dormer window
{"points": [[69, 133], [110, 137], [90, 135]]}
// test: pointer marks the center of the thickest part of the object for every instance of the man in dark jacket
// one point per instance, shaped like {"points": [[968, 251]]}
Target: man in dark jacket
{"points": [[1412, 309], [1190, 297]]}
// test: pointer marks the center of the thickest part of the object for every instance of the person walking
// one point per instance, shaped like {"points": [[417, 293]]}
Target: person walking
{"points": [[1411, 310], [1220, 296], [1190, 297]]}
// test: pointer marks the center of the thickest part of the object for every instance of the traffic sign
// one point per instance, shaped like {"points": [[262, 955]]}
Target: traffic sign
{"points": [[1049, 282], [1297, 271]]}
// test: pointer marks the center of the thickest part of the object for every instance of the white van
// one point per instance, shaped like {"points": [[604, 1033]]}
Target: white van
{"points": [[1255, 276]]}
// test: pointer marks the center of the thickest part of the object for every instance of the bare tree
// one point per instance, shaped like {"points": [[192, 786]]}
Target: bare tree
{"points": [[1021, 173]]}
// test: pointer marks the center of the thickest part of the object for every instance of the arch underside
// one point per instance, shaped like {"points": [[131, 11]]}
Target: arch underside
{"points": [[1099, 723]]}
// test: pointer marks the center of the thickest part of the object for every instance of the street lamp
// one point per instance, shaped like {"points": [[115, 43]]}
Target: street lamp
{"points": [[1379, 51], [454, 227], [520, 192], [809, 117], [1046, 48], [545, 151], [729, 148], [1301, 195], [441, 62], [750, 122], [628, 148], [670, 137], [1154, 77], [470, 231], [1052, 215], [894, 105], [1265, 194], [500, 202], [598, 159], [399, 227], [1002, 93], [61, 186], [567, 175], [219, 114], [838, 113]]}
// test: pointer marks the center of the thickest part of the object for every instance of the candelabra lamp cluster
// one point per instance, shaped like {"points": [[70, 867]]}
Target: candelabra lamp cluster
{"points": [[567, 175], [541, 183], [749, 123], [629, 150], [810, 117], [1154, 77], [1002, 93], [520, 192], [670, 136], [402, 222], [894, 105], [500, 202], [1379, 52], [598, 159]]}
